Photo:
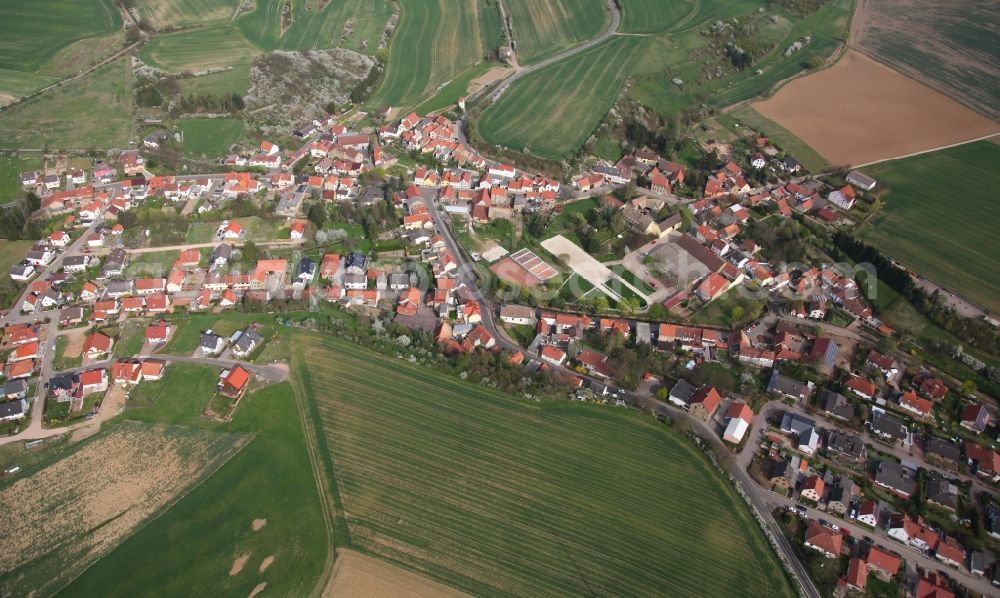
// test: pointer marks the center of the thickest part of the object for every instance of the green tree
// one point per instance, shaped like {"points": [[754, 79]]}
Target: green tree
{"points": [[662, 393], [968, 388], [736, 314], [317, 215], [250, 252], [886, 344]]}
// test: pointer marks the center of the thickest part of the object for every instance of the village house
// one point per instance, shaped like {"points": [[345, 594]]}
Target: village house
{"points": [[97, 345], [824, 540]]}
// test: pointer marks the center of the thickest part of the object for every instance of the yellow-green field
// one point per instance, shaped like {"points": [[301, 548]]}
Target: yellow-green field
{"points": [[498, 496], [199, 49], [92, 112]]}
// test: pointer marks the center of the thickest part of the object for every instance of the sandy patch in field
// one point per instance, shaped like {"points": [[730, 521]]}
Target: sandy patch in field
{"points": [[362, 576], [265, 564], [860, 111], [6, 98], [74, 342], [258, 524], [258, 589], [238, 564], [114, 401], [488, 78], [84, 432]]}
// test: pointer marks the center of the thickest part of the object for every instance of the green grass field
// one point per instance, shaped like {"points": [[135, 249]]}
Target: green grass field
{"points": [[10, 169], [12, 252], [176, 13], [551, 112], [199, 49], [934, 218], [210, 137], [497, 496], [651, 16], [435, 42], [92, 112], [235, 80], [255, 229], [15, 84], [543, 28], [194, 543], [34, 31], [312, 28], [82, 54]]}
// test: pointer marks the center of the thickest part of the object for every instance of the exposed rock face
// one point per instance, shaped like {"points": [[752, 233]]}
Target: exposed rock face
{"points": [[287, 88]]}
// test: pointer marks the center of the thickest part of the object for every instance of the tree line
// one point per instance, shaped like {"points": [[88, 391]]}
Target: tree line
{"points": [[974, 331]]}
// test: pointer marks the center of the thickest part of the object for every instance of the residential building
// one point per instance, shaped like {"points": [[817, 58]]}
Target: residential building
{"points": [[823, 539]]}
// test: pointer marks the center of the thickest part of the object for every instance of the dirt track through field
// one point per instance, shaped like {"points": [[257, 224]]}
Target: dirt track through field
{"points": [[860, 111], [362, 576]]}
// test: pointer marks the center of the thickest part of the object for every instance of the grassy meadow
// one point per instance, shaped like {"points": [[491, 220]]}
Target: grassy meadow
{"points": [[10, 170], [653, 16], [544, 28], [199, 49], [314, 25], [91, 112], [178, 13], [32, 32], [933, 219], [209, 137], [551, 112], [497, 496], [435, 42]]}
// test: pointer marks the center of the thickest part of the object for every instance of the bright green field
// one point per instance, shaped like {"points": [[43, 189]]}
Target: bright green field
{"points": [[552, 111], [31, 32], [199, 49], [210, 137], [648, 16], [314, 29], [174, 13], [92, 112], [435, 42], [497, 496], [195, 542], [544, 28], [939, 218]]}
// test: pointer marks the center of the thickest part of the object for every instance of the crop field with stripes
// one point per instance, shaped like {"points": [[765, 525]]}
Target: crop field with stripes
{"points": [[552, 111], [543, 28], [176, 13], [495, 495], [435, 42], [314, 28]]}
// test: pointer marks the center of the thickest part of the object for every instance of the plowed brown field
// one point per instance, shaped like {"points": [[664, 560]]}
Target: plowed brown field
{"points": [[860, 111]]}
